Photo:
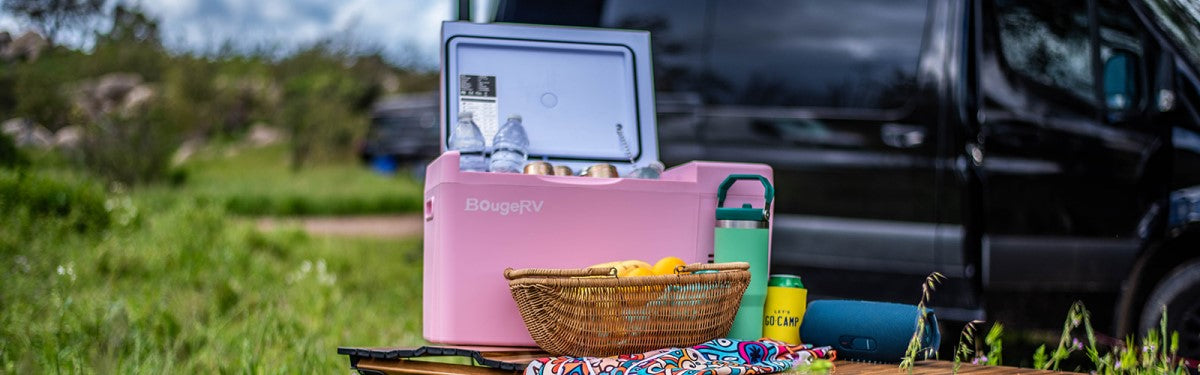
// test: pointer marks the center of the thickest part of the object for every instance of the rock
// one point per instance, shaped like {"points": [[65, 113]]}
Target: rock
{"points": [[137, 99], [14, 126], [40, 137], [29, 46], [123, 92], [26, 133], [68, 137], [262, 135], [113, 87], [186, 150]]}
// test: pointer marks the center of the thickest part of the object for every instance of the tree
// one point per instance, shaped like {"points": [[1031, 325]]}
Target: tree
{"points": [[132, 25], [51, 17]]}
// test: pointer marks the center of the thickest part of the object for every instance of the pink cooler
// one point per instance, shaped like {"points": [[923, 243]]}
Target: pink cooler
{"points": [[570, 85]]}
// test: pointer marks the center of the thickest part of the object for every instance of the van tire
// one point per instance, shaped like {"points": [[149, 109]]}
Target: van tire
{"points": [[1179, 291]]}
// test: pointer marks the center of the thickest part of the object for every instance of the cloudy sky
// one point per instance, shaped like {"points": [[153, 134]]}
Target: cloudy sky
{"points": [[404, 28]]}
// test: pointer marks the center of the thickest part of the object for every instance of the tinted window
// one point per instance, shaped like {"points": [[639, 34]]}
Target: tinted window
{"points": [[677, 30], [550, 12], [815, 53], [1120, 34], [1048, 42]]}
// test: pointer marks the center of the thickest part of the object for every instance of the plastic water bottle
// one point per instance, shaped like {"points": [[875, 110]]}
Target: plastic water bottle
{"points": [[468, 141], [510, 147]]}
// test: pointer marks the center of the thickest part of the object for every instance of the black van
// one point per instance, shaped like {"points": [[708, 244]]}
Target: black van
{"points": [[404, 130], [1032, 151]]}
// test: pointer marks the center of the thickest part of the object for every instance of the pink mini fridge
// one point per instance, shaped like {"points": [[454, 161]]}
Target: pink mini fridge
{"points": [[571, 86]]}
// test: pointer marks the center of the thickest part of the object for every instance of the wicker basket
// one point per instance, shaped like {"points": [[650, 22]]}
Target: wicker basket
{"points": [[592, 312]]}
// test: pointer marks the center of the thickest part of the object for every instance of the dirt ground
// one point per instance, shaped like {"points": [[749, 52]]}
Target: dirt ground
{"points": [[389, 226]]}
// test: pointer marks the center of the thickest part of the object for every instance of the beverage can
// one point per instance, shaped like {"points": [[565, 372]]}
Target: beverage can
{"points": [[562, 170], [603, 170], [784, 309], [539, 167]]}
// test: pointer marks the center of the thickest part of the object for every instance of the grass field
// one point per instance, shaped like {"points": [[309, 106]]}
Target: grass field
{"points": [[258, 181], [167, 280]]}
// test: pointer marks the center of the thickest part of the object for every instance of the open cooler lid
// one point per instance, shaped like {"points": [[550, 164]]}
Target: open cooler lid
{"points": [[571, 87]]}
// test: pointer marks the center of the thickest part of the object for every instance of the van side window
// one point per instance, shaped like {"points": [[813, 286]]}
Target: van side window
{"points": [[1048, 41], [814, 53]]}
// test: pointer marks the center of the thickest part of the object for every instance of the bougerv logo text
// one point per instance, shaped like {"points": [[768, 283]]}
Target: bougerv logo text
{"points": [[519, 207]]}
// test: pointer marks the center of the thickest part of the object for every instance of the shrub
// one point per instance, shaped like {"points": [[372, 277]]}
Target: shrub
{"points": [[8, 93], [131, 150], [327, 91], [39, 88], [77, 203], [10, 155], [321, 130], [303, 205]]}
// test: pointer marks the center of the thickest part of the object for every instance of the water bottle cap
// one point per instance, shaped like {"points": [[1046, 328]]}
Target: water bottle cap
{"points": [[465, 114], [743, 213], [514, 117]]}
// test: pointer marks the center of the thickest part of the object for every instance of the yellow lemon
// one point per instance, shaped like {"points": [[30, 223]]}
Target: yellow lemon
{"points": [[666, 266], [639, 271], [605, 265], [636, 263]]}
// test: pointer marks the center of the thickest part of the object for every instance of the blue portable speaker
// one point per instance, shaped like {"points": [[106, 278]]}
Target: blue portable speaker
{"points": [[866, 330]]}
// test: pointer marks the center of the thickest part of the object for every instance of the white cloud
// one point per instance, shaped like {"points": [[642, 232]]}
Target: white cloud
{"points": [[401, 27], [397, 26]]}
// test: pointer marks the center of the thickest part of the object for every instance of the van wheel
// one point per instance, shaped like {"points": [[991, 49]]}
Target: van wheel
{"points": [[1180, 293]]}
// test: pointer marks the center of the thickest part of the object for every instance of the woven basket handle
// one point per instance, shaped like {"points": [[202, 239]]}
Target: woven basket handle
{"points": [[512, 274], [730, 266]]}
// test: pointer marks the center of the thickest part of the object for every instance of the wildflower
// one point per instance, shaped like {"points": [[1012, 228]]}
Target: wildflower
{"points": [[23, 263], [1076, 344], [1118, 365], [979, 360], [68, 271]]}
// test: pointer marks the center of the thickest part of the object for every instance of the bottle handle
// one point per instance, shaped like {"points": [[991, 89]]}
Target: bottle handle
{"points": [[769, 191]]}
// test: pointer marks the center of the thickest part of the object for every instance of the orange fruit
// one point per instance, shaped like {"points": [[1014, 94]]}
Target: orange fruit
{"points": [[666, 266], [625, 267]]}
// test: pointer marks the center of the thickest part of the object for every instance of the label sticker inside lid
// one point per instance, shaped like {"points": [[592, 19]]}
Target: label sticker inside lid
{"points": [[477, 94]]}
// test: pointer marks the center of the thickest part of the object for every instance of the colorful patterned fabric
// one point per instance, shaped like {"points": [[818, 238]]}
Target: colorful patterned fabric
{"points": [[716, 357]]}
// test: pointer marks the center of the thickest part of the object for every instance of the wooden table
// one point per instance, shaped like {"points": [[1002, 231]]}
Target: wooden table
{"points": [[388, 361]]}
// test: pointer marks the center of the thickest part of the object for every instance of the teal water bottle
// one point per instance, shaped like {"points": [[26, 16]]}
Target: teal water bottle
{"points": [[743, 235]]}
